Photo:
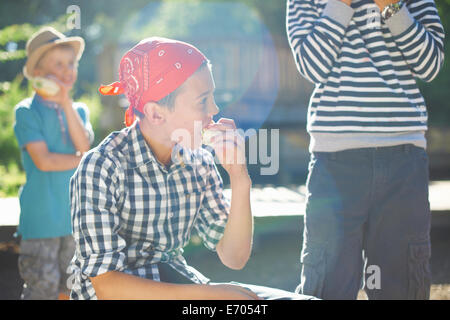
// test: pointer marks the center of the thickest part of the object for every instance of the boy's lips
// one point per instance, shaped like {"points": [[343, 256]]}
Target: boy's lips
{"points": [[65, 82], [68, 83]]}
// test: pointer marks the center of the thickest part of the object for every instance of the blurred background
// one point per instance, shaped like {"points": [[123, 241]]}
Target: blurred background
{"points": [[257, 84], [256, 78]]}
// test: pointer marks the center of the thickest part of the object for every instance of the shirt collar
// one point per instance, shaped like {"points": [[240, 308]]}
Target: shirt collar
{"points": [[52, 105], [141, 154]]}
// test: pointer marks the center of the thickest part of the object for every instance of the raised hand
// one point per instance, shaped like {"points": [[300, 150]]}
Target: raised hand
{"points": [[229, 146], [63, 96]]}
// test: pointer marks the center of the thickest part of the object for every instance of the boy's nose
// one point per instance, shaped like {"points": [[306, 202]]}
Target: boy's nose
{"points": [[213, 109]]}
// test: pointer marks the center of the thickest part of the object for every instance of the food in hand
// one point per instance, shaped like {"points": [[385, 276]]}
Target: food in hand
{"points": [[208, 135], [45, 87]]}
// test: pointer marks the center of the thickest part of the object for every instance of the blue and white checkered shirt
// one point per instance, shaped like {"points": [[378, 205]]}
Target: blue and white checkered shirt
{"points": [[130, 212]]}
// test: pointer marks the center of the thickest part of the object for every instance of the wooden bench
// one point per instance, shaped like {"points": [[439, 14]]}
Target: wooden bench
{"points": [[282, 201], [267, 201]]}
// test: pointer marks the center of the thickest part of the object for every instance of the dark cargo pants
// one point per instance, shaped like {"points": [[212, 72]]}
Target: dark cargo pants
{"points": [[367, 218]]}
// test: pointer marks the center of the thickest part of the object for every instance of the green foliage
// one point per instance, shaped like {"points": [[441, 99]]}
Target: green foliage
{"points": [[16, 33], [11, 93], [21, 33], [11, 179], [11, 174], [197, 18]]}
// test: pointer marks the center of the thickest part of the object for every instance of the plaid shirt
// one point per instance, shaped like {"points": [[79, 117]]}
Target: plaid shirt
{"points": [[129, 212]]}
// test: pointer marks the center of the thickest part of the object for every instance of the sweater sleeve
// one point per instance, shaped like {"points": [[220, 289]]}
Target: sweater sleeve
{"points": [[316, 39], [418, 33]]}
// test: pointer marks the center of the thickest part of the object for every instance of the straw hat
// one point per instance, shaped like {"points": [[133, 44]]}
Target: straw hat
{"points": [[45, 39]]}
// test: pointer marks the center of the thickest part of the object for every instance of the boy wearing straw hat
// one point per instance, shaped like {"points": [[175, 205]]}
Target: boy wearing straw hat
{"points": [[53, 132], [137, 197]]}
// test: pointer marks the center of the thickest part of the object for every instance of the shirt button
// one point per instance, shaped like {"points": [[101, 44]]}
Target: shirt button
{"points": [[171, 215]]}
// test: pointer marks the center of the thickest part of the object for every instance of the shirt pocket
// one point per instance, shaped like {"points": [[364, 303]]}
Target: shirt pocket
{"points": [[313, 270]]}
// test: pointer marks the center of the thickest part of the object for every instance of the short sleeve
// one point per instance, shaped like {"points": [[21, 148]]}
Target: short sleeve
{"points": [[83, 111], [213, 214], [95, 191], [27, 126]]}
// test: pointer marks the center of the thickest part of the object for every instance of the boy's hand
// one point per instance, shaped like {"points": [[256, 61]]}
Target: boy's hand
{"points": [[229, 147], [347, 2], [77, 132], [62, 97]]}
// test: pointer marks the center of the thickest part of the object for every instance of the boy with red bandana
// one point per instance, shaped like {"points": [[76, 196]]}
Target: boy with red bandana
{"points": [[137, 197]]}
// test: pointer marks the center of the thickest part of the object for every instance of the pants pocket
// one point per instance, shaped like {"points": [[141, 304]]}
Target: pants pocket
{"points": [[313, 270], [419, 274]]}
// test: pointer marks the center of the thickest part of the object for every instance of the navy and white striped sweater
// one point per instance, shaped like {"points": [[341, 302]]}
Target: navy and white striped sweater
{"points": [[364, 68]]}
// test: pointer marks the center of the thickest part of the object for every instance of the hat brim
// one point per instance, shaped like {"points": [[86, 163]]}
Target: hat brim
{"points": [[77, 43]]}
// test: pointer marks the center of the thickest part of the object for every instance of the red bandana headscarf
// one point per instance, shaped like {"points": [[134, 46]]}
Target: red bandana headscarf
{"points": [[151, 70]]}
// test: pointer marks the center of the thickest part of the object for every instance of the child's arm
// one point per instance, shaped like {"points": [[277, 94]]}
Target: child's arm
{"points": [[49, 161], [235, 246], [77, 132], [316, 39], [30, 137], [118, 285]]}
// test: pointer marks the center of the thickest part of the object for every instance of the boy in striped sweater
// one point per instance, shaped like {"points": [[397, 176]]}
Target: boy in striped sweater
{"points": [[368, 173]]}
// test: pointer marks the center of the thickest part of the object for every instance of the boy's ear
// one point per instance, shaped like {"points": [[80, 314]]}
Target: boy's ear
{"points": [[154, 113]]}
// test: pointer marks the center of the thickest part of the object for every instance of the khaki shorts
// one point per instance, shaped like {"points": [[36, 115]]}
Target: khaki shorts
{"points": [[43, 266]]}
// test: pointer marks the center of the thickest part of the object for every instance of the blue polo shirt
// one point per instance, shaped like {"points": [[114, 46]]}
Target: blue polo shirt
{"points": [[44, 199]]}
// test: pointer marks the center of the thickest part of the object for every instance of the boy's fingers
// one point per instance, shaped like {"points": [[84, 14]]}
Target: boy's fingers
{"points": [[224, 123], [219, 127], [235, 137], [229, 152], [227, 122]]}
